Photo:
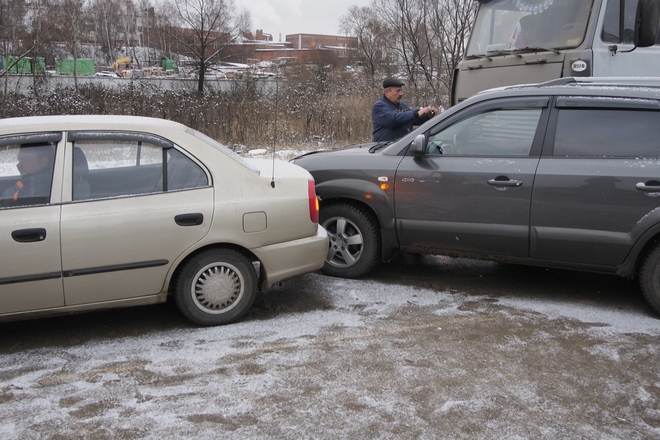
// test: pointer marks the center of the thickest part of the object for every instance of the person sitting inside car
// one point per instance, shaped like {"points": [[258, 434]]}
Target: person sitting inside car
{"points": [[35, 165], [391, 117]]}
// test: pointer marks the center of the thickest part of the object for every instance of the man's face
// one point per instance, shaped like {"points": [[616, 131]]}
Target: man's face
{"points": [[394, 94], [31, 160]]}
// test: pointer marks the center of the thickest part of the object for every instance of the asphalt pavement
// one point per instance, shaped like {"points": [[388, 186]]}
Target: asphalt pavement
{"points": [[424, 347]]}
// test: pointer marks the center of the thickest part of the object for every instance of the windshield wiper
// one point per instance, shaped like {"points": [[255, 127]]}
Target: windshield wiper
{"points": [[536, 49], [379, 146]]}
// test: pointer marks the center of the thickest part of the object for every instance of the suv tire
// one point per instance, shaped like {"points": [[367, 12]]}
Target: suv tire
{"points": [[354, 241], [649, 278]]}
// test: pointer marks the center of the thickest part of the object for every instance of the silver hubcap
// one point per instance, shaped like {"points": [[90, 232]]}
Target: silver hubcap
{"points": [[346, 242], [217, 288]]}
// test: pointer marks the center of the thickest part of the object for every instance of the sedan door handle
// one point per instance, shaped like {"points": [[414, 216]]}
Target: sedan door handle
{"points": [[29, 235], [505, 181], [650, 187], [193, 219]]}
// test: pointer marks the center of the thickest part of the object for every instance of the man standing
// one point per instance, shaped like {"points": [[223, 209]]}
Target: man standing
{"points": [[391, 117]]}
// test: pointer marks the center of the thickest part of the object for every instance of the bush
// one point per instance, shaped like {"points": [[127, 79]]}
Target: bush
{"points": [[308, 108]]}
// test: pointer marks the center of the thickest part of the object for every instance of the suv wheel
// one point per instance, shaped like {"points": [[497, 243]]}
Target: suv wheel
{"points": [[354, 241], [649, 278]]}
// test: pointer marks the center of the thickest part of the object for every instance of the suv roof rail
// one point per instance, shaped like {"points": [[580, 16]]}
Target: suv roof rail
{"points": [[558, 82], [599, 81], [585, 81]]}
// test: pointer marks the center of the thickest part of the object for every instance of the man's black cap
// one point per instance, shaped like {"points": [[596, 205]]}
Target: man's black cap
{"points": [[392, 82]]}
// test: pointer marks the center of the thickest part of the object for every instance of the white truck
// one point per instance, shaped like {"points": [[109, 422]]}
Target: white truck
{"points": [[532, 41]]}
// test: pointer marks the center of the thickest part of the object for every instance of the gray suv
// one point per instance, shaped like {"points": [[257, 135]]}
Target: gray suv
{"points": [[562, 174]]}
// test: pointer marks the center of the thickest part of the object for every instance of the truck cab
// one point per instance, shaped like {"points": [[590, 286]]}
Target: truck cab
{"points": [[532, 41]]}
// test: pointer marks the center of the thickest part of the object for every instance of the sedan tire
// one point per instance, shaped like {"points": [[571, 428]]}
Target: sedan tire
{"points": [[216, 287], [355, 247]]}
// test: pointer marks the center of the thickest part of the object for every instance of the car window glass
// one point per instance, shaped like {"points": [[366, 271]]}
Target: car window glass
{"points": [[607, 133], [500, 132], [613, 20], [26, 173], [183, 173], [112, 168]]}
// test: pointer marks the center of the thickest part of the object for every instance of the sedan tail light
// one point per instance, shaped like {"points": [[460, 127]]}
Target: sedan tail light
{"points": [[313, 202]]}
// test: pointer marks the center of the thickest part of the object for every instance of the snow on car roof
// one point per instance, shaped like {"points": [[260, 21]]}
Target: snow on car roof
{"points": [[68, 122]]}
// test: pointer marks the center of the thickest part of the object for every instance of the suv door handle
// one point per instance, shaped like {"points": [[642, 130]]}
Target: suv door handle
{"points": [[29, 235], [504, 181]]}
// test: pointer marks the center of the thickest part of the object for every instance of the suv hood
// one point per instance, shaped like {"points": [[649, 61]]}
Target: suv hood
{"points": [[357, 149]]}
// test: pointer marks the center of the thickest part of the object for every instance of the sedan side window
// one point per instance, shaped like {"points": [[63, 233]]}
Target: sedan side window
{"points": [[125, 167], [112, 168], [26, 173], [500, 132], [183, 173]]}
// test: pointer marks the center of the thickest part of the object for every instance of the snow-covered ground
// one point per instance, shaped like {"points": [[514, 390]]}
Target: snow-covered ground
{"points": [[322, 357], [417, 351]]}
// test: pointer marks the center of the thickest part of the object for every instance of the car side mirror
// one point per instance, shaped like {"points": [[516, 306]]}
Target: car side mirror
{"points": [[646, 23], [418, 147]]}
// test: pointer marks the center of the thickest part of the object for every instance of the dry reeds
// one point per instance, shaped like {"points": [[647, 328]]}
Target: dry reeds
{"points": [[306, 108]]}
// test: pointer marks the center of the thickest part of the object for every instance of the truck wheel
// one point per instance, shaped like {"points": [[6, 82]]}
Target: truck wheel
{"points": [[216, 287], [355, 246], [649, 278]]}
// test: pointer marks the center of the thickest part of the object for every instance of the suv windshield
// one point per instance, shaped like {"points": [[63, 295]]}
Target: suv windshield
{"points": [[518, 25]]}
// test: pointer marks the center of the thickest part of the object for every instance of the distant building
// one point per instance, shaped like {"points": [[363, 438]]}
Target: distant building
{"points": [[316, 41], [297, 48], [263, 36]]}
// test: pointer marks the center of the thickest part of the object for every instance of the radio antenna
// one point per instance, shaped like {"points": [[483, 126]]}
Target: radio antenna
{"points": [[277, 96]]}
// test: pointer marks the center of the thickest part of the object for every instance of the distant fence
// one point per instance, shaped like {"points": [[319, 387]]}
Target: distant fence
{"points": [[26, 83]]}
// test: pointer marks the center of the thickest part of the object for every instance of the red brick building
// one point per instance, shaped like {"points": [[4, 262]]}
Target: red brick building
{"points": [[316, 41], [298, 48]]}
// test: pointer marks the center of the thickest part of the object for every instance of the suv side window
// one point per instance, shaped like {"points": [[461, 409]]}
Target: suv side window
{"points": [[498, 132], [619, 133]]}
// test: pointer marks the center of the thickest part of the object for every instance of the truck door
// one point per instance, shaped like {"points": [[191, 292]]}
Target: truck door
{"points": [[616, 25]]}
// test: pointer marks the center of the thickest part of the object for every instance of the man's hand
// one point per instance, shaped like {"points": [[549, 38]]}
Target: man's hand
{"points": [[427, 112]]}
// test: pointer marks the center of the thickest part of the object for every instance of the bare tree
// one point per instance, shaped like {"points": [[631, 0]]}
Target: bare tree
{"points": [[12, 14], [147, 29], [30, 36], [106, 18], [407, 20], [71, 28], [372, 35], [452, 23], [430, 37], [202, 28]]}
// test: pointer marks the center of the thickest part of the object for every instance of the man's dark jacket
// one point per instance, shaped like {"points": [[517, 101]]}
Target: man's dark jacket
{"points": [[391, 121]]}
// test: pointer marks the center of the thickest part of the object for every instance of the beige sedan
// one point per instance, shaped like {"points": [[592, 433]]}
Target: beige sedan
{"points": [[113, 211]]}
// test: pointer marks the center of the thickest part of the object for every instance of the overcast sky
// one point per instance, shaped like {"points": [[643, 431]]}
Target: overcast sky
{"points": [[297, 16]]}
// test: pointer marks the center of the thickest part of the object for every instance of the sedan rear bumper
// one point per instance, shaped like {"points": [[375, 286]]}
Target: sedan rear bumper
{"points": [[291, 258]]}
